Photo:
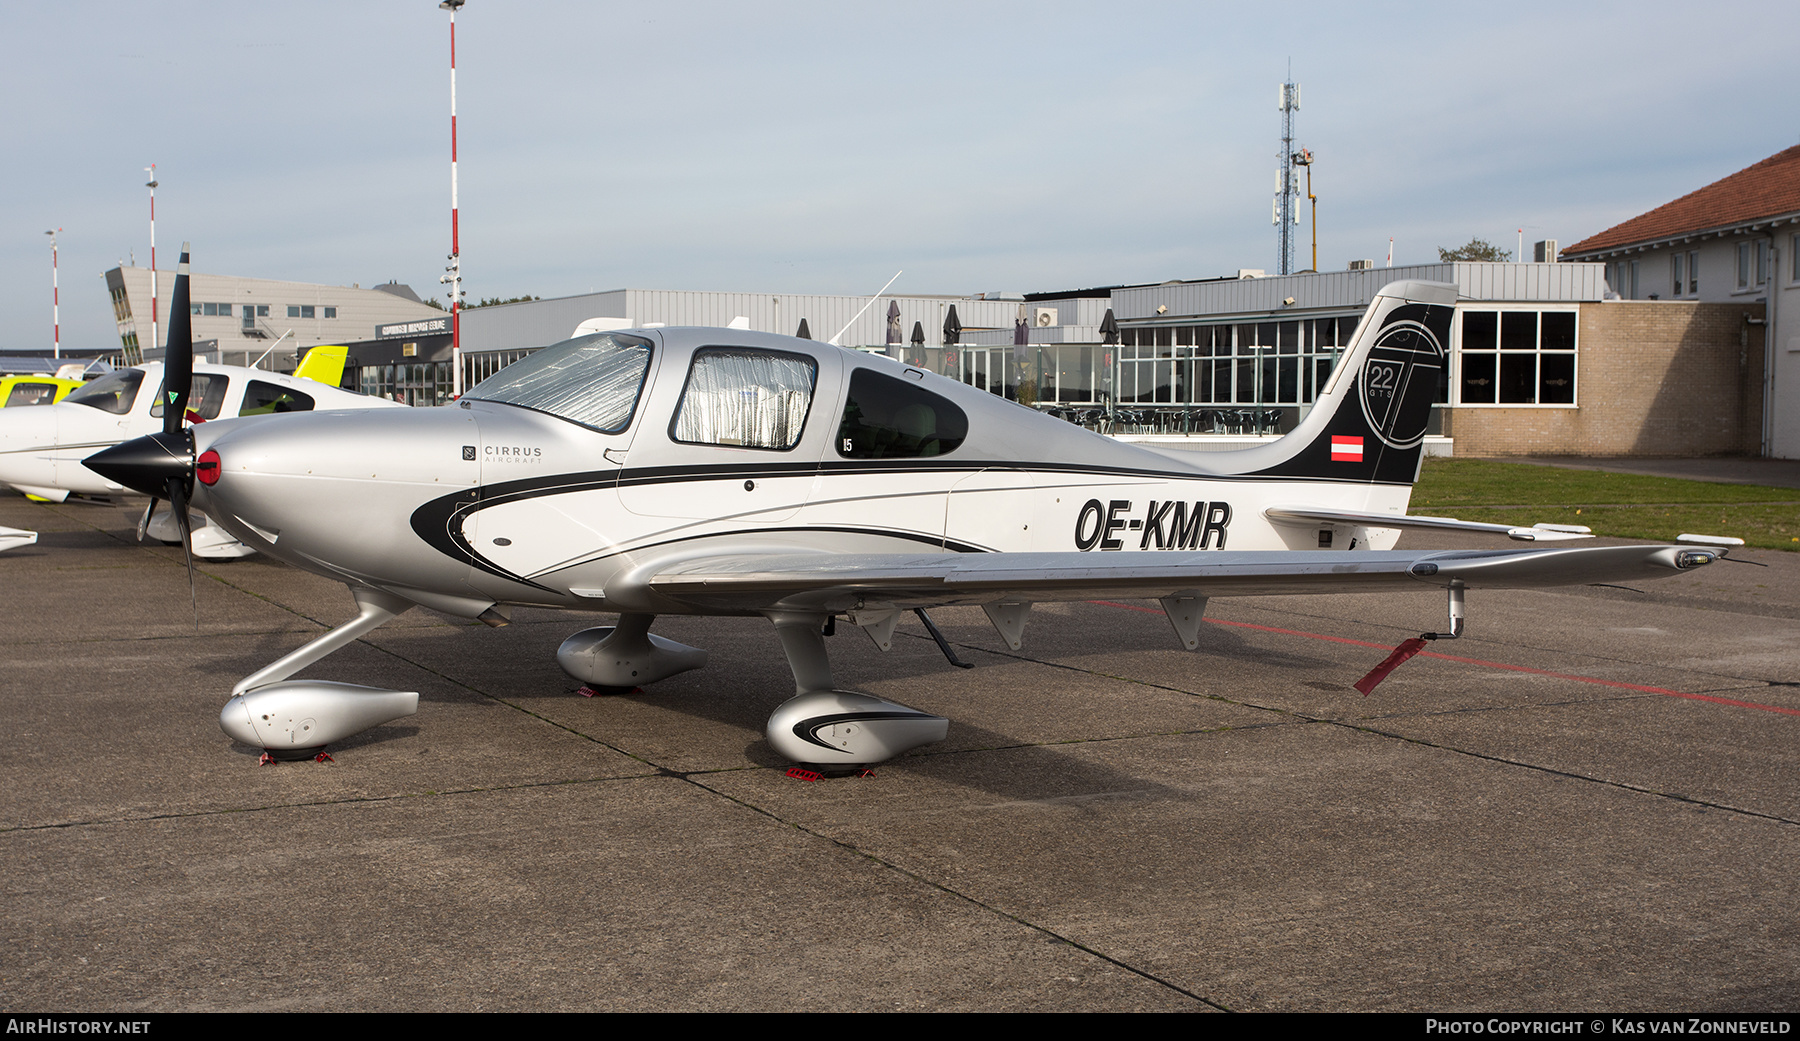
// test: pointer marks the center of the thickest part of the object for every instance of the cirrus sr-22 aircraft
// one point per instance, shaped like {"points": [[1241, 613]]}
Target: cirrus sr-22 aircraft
{"points": [[724, 472]]}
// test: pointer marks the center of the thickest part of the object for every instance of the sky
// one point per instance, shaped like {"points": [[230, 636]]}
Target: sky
{"points": [[821, 147]]}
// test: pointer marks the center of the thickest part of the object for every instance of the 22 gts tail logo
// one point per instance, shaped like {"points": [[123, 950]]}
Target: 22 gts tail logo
{"points": [[1165, 525]]}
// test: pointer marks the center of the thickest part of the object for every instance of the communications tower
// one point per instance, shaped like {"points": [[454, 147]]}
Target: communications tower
{"points": [[1287, 185]]}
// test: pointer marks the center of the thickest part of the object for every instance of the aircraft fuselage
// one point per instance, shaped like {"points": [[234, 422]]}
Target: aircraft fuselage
{"points": [[510, 504]]}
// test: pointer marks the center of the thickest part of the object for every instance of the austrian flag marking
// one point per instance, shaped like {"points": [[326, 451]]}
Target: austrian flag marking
{"points": [[1346, 449]]}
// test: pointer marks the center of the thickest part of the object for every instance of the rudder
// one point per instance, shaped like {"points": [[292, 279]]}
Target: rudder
{"points": [[1369, 425]]}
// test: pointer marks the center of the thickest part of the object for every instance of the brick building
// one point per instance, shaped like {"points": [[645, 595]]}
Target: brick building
{"points": [[1735, 244], [1656, 379]]}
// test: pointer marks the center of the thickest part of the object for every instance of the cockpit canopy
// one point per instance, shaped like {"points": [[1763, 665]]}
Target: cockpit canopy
{"points": [[114, 392], [755, 397], [591, 380]]}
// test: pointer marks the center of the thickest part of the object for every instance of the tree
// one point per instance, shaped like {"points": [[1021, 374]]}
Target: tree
{"points": [[1477, 249]]}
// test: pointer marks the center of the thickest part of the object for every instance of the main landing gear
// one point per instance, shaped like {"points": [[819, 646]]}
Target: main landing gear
{"points": [[821, 728]]}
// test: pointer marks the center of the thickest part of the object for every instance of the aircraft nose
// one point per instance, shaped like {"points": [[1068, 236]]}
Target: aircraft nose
{"points": [[145, 464]]}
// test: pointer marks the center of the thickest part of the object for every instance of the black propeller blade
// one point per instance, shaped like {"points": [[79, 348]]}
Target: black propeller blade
{"points": [[178, 492], [178, 354], [162, 465]]}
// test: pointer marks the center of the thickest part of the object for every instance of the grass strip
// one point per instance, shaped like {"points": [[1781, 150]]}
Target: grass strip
{"points": [[1631, 506]]}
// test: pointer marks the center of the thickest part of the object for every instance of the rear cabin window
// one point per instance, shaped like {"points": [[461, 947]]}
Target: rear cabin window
{"points": [[886, 418], [31, 394], [745, 398], [204, 400], [263, 399]]}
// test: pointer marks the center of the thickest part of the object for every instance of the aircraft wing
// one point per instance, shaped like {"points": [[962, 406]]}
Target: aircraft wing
{"points": [[823, 582]]}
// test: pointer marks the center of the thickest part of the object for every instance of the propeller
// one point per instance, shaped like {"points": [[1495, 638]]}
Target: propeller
{"points": [[162, 465]]}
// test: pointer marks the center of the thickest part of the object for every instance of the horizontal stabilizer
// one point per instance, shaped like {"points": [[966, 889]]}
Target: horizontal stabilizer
{"points": [[1307, 515], [1709, 540]]}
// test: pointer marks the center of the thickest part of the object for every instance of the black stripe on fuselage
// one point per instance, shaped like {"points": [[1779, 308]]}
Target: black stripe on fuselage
{"points": [[439, 522]]}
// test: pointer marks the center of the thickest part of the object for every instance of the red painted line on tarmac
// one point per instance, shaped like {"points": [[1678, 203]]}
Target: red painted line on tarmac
{"points": [[1478, 661]]}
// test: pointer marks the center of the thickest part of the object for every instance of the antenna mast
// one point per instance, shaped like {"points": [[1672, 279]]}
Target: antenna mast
{"points": [[1287, 185], [453, 273]]}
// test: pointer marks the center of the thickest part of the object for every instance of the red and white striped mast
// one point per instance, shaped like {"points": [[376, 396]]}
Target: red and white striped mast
{"points": [[151, 169], [55, 301], [454, 276]]}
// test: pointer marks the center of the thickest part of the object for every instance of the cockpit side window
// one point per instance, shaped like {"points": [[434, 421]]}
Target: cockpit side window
{"points": [[114, 392], [745, 398], [886, 418], [262, 399], [591, 380], [204, 400]]}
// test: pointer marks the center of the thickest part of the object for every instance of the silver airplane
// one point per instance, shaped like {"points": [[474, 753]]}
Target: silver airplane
{"points": [[725, 472]]}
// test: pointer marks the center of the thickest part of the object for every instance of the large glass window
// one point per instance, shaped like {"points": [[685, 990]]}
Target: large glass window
{"points": [[745, 398], [1253, 363], [888, 418], [1516, 358], [413, 383], [591, 380], [1070, 372]]}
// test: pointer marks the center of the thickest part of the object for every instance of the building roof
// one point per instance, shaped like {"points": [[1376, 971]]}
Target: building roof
{"points": [[1771, 188]]}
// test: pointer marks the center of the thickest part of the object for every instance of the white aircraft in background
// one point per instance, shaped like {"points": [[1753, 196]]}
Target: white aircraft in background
{"points": [[725, 472], [42, 448]]}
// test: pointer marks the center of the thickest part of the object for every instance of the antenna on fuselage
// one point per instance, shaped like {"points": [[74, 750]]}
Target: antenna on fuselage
{"points": [[271, 349], [834, 340]]}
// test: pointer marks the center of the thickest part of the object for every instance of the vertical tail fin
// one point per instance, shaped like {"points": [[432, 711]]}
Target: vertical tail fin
{"points": [[1368, 426], [324, 363]]}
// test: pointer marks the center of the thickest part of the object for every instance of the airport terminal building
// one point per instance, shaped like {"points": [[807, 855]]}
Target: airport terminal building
{"points": [[237, 320], [1545, 358]]}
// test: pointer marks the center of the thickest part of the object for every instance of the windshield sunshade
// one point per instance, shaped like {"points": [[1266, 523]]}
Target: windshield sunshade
{"points": [[592, 380]]}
